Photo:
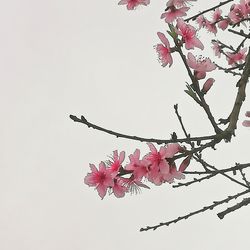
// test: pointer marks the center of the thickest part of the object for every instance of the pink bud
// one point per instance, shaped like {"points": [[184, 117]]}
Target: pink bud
{"points": [[246, 123], [207, 85], [247, 114], [184, 164]]}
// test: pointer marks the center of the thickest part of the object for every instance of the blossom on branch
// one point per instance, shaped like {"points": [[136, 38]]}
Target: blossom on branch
{"points": [[164, 51], [200, 65], [173, 13], [101, 179], [178, 3], [234, 58], [132, 4], [188, 34]]}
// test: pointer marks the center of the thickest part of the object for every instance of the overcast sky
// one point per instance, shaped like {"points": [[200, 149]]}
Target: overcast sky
{"points": [[95, 58]]}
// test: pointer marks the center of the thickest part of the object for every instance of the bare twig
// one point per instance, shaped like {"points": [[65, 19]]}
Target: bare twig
{"points": [[141, 139], [210, 207], [244, 202]]}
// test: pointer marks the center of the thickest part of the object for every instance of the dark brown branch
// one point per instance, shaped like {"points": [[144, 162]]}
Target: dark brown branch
{"points": [[240, 33], [211, 174], [240, 98], [195, 83], [207, 10], [244, 202], [210, 207], [141, 139]]}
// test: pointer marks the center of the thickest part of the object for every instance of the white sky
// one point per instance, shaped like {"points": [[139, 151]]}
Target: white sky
{"points": [[95, 58]]}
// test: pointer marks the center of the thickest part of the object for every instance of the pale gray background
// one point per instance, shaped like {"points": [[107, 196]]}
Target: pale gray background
{"points": [[61, 57]]}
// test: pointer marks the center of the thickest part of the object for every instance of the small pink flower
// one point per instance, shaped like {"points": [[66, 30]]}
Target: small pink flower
{"points": [[216, 48], [201, 20], [207, 85], [178, 3], [157, 159], [246, 123], [200, 65], [223, 24], [188, 34], [239, 11], [115, 164], [101, 179], [217, 15], [139, 167], [132, 4], [164, 51], [211, 27], [173, 13], [238, 57], [119, 188]]}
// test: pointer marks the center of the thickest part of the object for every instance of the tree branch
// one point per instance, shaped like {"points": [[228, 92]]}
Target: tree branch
{"points": [[210, 207]]}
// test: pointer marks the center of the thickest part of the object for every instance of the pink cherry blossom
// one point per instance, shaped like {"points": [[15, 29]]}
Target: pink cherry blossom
{"points": [[200, 65], [211, 27], [115, 164], [173, 13], [188, 34], [207, 85], [119, 188], [164, 51], [139, 167], [132, 4], [216, 48], [239, 11], [101, 179], [216, 15], [178, 3], [157, 159], [223, 24], [201, 20], [238, 57]]}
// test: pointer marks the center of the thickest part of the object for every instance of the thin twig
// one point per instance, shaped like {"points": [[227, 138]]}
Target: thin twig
{"points": [[210, 207], [244, 202], [141, 139], [207, 10]]}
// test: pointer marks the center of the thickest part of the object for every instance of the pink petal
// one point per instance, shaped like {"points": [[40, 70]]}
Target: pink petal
{"points": [[102, 190], [163, 39], [184, 164]]}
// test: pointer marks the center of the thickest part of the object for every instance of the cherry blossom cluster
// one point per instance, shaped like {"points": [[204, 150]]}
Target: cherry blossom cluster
{"points": [[158, 166]]}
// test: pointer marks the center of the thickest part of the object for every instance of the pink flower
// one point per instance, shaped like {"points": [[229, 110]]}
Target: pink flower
{"points": [[239, 11], [132, 4], [246, 123], [119, 188], [164, 51], [159, 168], [200, 66], [101, 179], [173, 13], [115, 164], [177, 174], [207, 85], [188, 34], [223, 24], [157, 159], [201, 20], [216, 48], [139, 167], [239, 57], [216, 15], [211, 27], [178, 3]]}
